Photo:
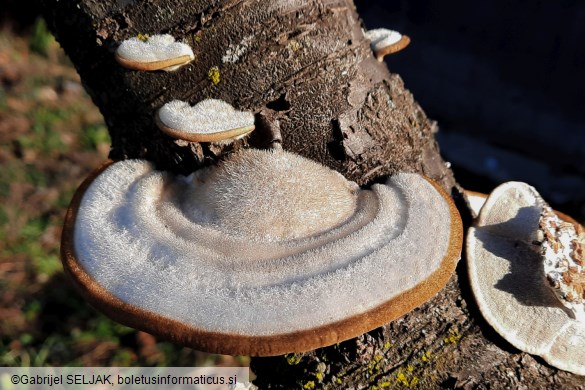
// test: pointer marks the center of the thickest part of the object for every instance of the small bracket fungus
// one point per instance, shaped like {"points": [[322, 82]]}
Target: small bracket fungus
{"points": [[385, 42], [475, 201], [157, 52], [210, 120], [527, 275], [264, 254]]}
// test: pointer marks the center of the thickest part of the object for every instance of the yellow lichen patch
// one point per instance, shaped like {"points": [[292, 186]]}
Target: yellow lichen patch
{"points": [[309, 385], [294, 45], [374, 365], [143, 37], [213, 75], [453, 337], [426, 356], [294, 359], [402, 379], [406, 380]]}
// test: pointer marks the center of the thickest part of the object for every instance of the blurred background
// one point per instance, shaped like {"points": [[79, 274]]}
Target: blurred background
{"points": [[506, 82], [504, 79]]}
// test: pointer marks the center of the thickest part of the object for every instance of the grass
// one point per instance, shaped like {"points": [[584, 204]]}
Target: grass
{"points": [[51, 137], [40, 39]]}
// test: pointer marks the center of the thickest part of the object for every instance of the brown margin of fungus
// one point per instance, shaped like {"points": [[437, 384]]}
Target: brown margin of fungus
{"points": [[476, 193], [236, 344], [394, 48], [203, 137], [153, 65]]}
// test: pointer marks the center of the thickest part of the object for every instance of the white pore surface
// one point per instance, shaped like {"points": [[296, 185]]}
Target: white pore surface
{"points": [[156, 48], [137, 241], [507, 278], [382, 37], [206, 117]]}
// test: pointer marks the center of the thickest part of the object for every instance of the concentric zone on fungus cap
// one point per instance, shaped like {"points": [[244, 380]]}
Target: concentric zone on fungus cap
{"points": [[258, 325]]}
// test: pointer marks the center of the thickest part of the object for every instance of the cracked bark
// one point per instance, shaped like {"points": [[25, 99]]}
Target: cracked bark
{"points": [[306, 70]]}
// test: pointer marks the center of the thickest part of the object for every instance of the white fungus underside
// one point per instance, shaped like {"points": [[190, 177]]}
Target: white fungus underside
{"points": [[156, 48], [382, 37], [502, 268], [146, 252], [206, 117]]}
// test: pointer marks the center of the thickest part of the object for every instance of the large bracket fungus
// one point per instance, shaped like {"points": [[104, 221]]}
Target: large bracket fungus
{"points": [[264, 254], [527, 274]]}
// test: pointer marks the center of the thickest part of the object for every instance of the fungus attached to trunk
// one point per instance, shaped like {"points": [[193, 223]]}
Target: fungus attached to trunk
{"points": [[528, 277], [475, 201], [211, 120], [158, 52], [385, 42], [266, 253]]}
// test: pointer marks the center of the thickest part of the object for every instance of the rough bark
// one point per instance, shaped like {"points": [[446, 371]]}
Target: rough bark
{"points": [[306, 69], [304, 65]]}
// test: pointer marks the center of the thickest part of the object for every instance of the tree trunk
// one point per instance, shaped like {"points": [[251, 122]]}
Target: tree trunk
{"points": [[308, 72]]}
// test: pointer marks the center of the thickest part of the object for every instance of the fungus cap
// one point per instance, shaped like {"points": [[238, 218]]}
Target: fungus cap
{"points": [[211, 120], [475, 201], [181, 257], [385, 41], [158, 52], [506, 266]]}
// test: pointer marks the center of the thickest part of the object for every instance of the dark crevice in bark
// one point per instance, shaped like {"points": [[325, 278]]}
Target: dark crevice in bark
{"points": [[280, 104]]}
